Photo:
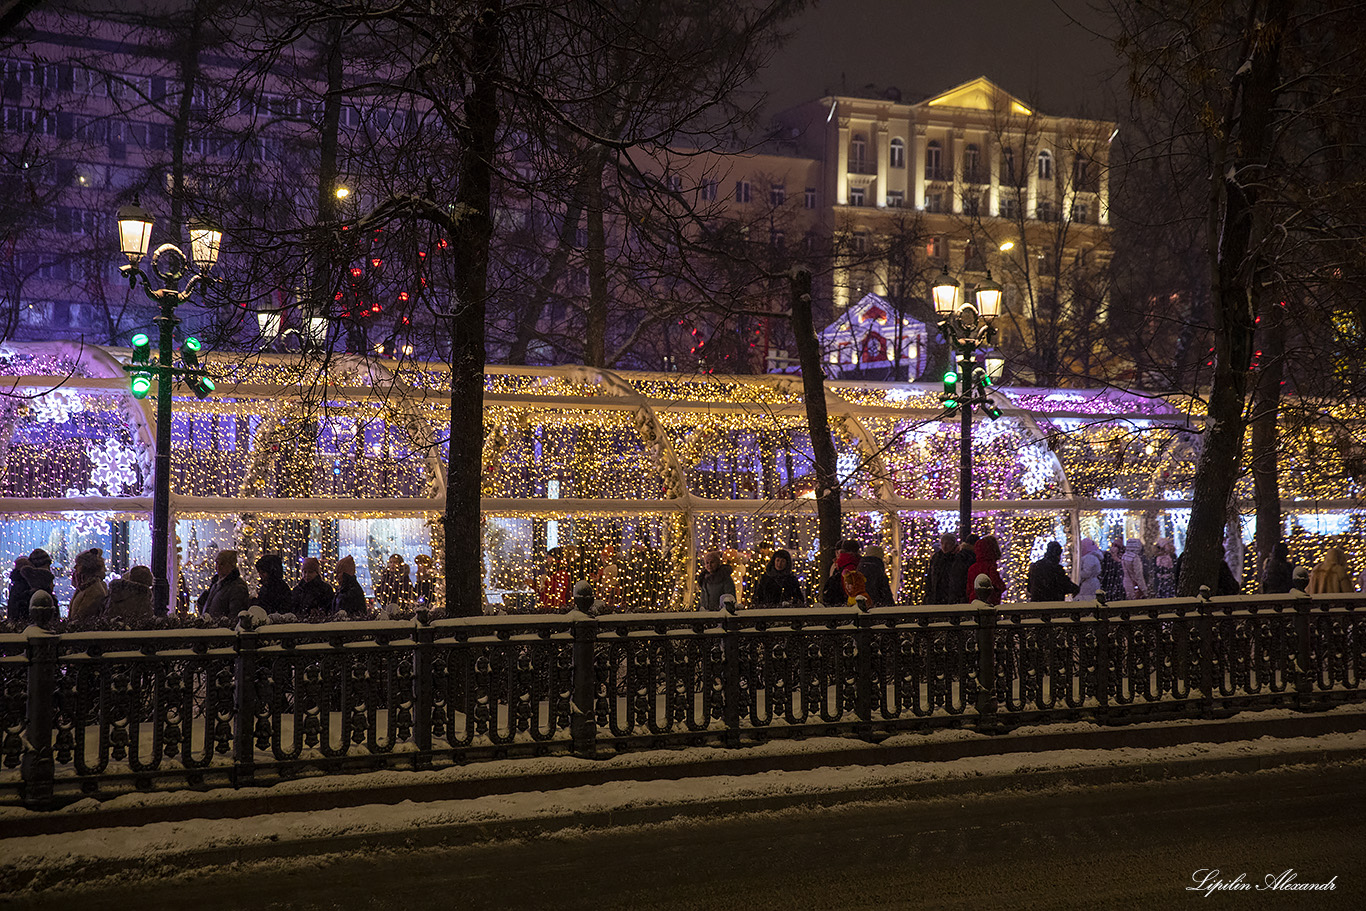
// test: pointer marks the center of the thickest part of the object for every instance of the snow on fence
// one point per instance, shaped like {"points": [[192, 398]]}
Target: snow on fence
{"points": [[100, 713]]}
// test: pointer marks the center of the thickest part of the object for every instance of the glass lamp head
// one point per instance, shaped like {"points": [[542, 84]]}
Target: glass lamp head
{"points": [[206, 240], [945, 294], [989, 298], [135, 232]]}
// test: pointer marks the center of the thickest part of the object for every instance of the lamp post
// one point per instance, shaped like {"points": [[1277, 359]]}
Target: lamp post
{"points": [[967, 328], [170, 265]]}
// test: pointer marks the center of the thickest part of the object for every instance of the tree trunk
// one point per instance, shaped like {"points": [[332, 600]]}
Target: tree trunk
{"points": [[1265, 434], [595, 345], [1233, 219], [817, 422], [470, 248]]}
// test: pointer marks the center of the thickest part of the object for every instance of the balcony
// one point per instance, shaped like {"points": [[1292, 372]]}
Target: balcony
{"points": [[862, 167]]}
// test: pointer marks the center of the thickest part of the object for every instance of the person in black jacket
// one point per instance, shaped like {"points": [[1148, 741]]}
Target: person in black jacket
{"points": [[312, 597], [273, 595], [1277, 571], [1048, 581], [779, 583], [939, 587], [874, 569], [958, 571], [350, 598]]}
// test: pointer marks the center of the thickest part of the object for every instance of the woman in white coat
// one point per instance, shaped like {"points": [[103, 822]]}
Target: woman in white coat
{"points": [[1088, 570], [1135, 580]]}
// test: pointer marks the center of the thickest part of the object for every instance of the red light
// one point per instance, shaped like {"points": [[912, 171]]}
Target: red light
{"points": [[421, 254], [376, 262], [403, 295], [376, 308], [338, 297], [406, 321], [441, 244], [357, 272]]}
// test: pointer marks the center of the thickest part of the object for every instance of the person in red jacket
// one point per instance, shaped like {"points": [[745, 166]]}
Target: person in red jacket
{"points": [[988, 554]]}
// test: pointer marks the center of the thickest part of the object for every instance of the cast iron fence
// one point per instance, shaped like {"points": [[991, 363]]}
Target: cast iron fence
{"points": [[100, 713]]}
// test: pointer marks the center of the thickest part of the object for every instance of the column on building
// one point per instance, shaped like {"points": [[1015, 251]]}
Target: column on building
{"points": [[880, 132], [917, 165], [957, 144], [1103, 189], [842, 164], [1062, 172], [1029, 160], [994, 189]]}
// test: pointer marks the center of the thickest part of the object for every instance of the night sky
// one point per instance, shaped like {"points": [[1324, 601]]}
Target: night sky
{"points": [[1031, 48]]}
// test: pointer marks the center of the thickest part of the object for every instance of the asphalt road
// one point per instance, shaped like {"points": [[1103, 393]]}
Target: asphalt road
{"points": [[1107, 847]]}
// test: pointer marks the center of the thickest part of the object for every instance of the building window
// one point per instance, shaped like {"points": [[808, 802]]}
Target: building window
{"points": [[934, 161], [856, 196], [1045, 165], [777, 195], [675, 183], [895, 199], [707, 191], [972, 164], [742, 191], [811, 197], [1044, 210], [1008, 165], [1009, 206], [934, 248], [898, 153], [860, 242], [1081, 213], [934, 202], [972, 204], [858, 152], [1083, 174]]}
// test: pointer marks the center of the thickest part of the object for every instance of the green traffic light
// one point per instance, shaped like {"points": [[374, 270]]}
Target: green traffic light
{"points": [[193, 344], [141, 384], [142, 348], [189, 352], [201, 386]]}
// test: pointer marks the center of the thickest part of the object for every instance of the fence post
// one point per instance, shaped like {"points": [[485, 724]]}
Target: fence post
{"points": [[423, 637], [730, 656], [583, 728], [1304, 659], [863, 676], [986, 660], [1102, 660], [1205, 624], [36, 768], [244, 739]]}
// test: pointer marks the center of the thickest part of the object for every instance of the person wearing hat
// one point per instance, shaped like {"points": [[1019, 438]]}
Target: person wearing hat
{"points": [[873, 565], [130, 597], [31, 574], [312, 597], [227, 594], [273, 595], [87, 577], [395, 585], [350, 598], [779, 584], [1048, 581]]}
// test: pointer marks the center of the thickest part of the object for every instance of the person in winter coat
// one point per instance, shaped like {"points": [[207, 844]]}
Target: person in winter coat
{"points": [[424, 586], [349, 600], [87, 578], [312, 597], [130, 597], [779, 583], [959, 580], [1135, 579], [395, 585], [1088, 570], [714, 581], [1164, 569], [835, 590], [227, 594], [1277, 571], [873, 565], [273, 595], [1048, 581], [988, 555], [939, 587], [1329, 577], [35, 574], [1112, 571]]}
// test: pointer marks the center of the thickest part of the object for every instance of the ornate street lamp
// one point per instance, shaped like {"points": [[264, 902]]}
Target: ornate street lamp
{"points": [[170, 265], [968, 327]]}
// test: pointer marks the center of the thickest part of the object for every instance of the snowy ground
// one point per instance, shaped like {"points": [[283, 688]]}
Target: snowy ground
{"points": [[31, 862]]}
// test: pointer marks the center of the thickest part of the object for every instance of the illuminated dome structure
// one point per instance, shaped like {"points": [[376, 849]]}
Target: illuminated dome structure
{"points": [[658, 467]]}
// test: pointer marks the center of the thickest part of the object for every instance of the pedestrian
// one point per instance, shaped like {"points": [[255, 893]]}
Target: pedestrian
{"points": [[349, 601], [34, 574], [395, 584], [1329, 577], [873, 565], [130, 597], [779, 586], [939, 587], [424, 586], [1048, 581], [1164, 569], [272, 594], [714, 582], [959, 580], [1088, 571], [988, 555], [607, 580], [552, 586], [87, 578], [835, 590], [227, 594], [1112, 571], [1135, 579], [1277, 571], [312, 597]]}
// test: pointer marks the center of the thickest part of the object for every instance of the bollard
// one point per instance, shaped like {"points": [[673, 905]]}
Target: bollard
{"points": [[37, 768], [583, 728], [244, 741]]}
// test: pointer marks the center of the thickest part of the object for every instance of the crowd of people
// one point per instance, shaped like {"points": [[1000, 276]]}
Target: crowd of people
{"points": [[127, 599]]}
